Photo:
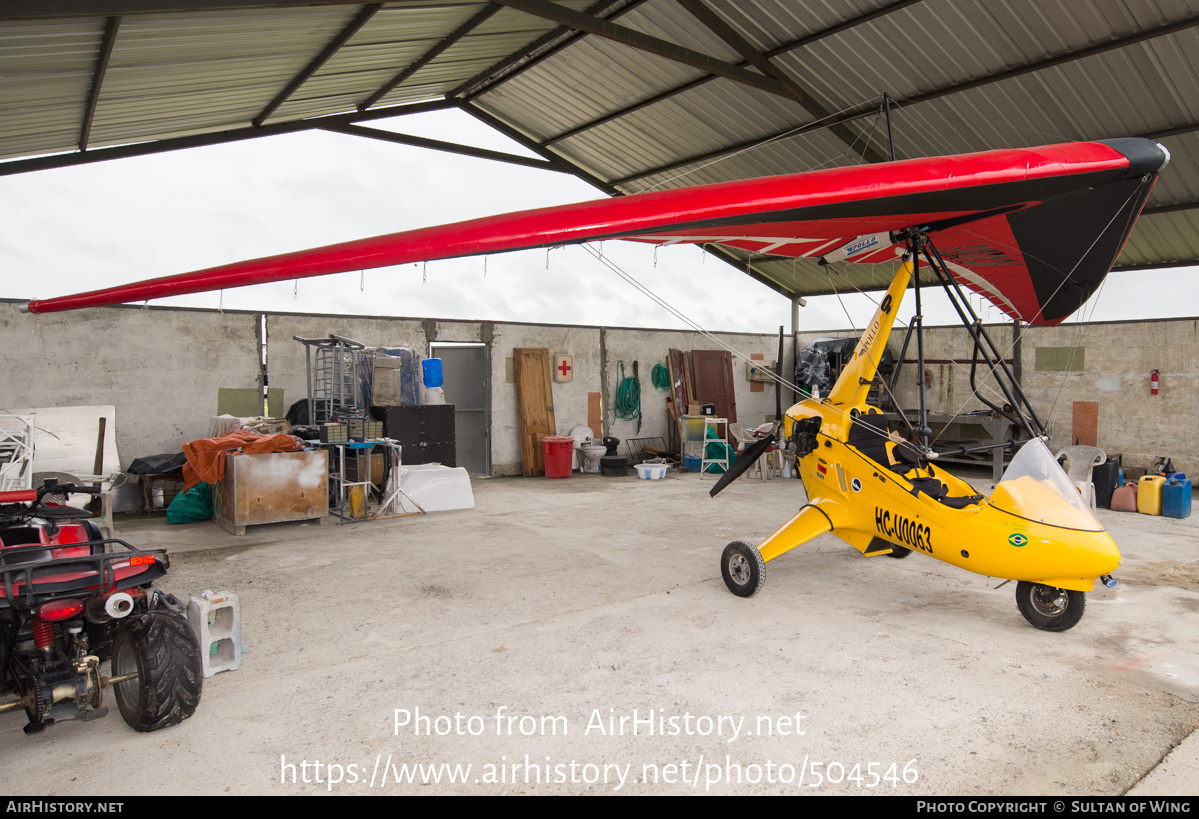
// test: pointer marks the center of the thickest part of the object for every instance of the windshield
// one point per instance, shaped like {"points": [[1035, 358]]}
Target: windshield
{"points": [[1036, 488]]}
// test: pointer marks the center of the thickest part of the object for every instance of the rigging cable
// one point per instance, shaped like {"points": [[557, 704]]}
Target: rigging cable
{"points": [[615, 268], [1065, 279]]}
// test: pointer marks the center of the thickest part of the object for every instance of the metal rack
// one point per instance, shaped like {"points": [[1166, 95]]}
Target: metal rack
{"points": [[332, 366], [16, 452]]}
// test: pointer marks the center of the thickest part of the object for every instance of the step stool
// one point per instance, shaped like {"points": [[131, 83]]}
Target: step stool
{"points": [[216, 622]]}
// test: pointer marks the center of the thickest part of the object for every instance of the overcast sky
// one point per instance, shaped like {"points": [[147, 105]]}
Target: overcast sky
{"points": [[98, 225]]}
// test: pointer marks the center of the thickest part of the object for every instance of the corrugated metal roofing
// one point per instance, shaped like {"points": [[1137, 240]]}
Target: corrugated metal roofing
{"points": [[965, 75]]}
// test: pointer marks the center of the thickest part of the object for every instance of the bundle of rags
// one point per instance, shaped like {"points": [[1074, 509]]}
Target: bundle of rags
{"points": [[206, 456]]}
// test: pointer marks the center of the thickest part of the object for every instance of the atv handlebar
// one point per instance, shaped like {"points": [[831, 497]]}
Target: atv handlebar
{"points": [[22, 504], [52, 486]]}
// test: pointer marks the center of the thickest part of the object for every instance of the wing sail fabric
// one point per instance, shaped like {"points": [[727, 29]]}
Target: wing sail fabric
{"points": [[1064, 213]]}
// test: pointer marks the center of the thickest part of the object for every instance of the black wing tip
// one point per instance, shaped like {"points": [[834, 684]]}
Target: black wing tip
{"points": [[1144, 155]]}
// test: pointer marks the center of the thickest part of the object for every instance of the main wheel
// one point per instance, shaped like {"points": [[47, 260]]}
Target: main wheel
{"points": [[1048, 608], [160, 648], [897, 552], [742, 568]]}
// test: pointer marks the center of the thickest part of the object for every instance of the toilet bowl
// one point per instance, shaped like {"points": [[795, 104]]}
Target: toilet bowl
{"points": [[591, 457], [583, 436]]}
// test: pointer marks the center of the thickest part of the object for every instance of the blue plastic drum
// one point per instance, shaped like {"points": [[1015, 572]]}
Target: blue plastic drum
{"points": [[432, 370]]}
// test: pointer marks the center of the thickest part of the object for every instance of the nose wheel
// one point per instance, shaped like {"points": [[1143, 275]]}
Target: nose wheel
{"points": [[742, 568], [1049, 608]]}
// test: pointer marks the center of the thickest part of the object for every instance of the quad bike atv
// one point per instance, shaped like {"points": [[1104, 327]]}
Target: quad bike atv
{"points": [[72, 599]]}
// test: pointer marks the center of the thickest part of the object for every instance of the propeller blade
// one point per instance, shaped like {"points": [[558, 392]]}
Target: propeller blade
{"points": [[744, 461], [778, 379]]}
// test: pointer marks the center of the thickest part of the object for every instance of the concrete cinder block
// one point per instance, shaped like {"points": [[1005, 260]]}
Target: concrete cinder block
{"points": [[216, 622]]}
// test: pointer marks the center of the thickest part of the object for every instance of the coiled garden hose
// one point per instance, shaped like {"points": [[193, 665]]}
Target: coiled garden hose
{"points": [[628, 396], [661, 378]]}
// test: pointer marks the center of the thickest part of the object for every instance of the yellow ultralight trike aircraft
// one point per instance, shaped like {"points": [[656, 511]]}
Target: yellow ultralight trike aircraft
{"points": [[883, 496]]}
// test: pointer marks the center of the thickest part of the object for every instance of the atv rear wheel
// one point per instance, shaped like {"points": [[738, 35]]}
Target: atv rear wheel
{"points": [[160, 647]]}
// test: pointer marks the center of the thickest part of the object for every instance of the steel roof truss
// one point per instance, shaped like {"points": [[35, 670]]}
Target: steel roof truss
{"points": [[774, 52], [430, 55], [42, 163], [439, 145], [653, 45], [93, 96], [532, 54], [872, 109], [360, 19]]}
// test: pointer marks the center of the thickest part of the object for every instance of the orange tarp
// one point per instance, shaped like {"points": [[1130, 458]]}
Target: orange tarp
{"points": [[206, 456]]}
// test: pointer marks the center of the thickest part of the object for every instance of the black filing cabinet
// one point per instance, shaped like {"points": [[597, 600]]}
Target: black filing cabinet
{"points": [[426, 433]]}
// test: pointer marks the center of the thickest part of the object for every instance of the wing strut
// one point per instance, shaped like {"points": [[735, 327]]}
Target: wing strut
{"points": [[1018, 409]]}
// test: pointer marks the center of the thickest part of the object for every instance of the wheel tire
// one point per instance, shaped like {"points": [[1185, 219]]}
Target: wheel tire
{"points": [[897, 552], [161, 648], [743, 569], [1049, 608]]}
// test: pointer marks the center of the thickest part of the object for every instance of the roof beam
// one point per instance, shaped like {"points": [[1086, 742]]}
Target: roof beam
{"points": [[93, 96], [653, 45], [510, 132], [1174, 208], [1051, 62], [43, 163], [731, 37], [541, 48], [871, 110], [1121, 268], [721, 28], [1169, 132], [439, 145], [845, 25], [360, 19], [430, 55], [16, 9]]}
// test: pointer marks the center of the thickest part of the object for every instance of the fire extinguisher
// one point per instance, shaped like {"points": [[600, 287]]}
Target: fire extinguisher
{"points": [[1153, 383]]}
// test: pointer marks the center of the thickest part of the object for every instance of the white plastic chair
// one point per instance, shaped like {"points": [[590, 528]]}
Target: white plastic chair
{"points": [[1082, 460], [745, 437]]}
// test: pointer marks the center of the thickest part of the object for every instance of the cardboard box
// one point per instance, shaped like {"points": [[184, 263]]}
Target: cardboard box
{"points": [[385, 380]]}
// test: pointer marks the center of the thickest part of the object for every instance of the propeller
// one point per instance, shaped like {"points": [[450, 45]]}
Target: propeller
{"points": [[744, 461], [749, 456]]}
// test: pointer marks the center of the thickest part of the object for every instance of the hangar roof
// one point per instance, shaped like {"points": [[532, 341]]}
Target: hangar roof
{"points": [[631, 95]]}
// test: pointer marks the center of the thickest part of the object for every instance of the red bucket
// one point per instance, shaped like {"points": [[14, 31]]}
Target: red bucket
{"points": [[559, 452]]}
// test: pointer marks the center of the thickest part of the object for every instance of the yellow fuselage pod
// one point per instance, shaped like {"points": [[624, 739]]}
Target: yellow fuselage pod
{"points": [[859, 499]]}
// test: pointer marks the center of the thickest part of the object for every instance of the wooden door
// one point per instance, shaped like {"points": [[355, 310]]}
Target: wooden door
{"points": [[713, 374], [535, 406]]}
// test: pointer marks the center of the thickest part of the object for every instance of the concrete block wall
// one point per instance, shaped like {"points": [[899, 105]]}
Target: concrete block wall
{"points": [[649, 347], [160, 367], [570, 398], [595, 352], [1111, 368], [1117, 358]]}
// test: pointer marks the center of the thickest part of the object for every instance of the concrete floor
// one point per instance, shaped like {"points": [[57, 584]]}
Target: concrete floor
{"points": [[595, 599]]}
